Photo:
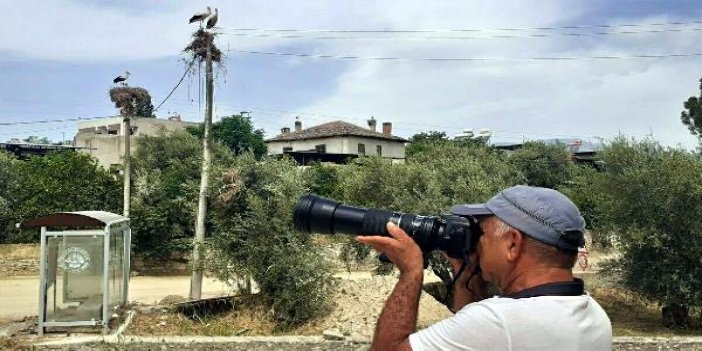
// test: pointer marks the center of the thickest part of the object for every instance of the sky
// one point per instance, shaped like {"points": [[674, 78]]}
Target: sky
{"points": [[58, 59]]}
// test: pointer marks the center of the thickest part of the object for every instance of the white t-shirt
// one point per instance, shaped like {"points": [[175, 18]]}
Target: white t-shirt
{"points": [[536, 323]]}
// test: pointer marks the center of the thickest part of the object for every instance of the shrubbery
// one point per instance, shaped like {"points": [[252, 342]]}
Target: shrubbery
{"points": [[645, 202], [253, 236], [58, 181]]}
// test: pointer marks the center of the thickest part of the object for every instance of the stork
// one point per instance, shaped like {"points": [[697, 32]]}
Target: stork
{"points": [[212, 20], [121, 78], [199, 17]]}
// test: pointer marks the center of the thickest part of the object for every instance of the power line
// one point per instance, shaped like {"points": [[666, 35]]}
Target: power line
{"points": [[498, 36], [53, 120], [35, 131], [596, 26], [190, 65], [470, 59]]}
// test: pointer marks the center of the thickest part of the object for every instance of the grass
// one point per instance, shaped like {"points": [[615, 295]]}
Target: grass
{"points": [[633, 315], [245, 319]]}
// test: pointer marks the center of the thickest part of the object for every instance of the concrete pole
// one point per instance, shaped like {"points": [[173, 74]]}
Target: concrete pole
{"points": [[196, 279], [127, 130]]}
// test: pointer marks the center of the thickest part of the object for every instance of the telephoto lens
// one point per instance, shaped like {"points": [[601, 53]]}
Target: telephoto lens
{"points": [[455, 235]]}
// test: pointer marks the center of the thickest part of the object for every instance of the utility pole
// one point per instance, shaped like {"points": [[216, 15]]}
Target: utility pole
{"points": [[127, 130], [196, 279]]}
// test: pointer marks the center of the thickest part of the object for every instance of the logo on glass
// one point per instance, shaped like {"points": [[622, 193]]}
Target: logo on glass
{"points": [[75, 260]]}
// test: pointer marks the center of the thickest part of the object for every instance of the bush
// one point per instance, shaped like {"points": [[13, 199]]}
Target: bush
{"points": [[254, 237], [653, 200], [9, 187], [166, 184], [543, 165], [56, 182]]}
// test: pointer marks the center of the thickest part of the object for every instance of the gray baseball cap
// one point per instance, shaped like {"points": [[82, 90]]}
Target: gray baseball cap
{"points": [[541, 213]]}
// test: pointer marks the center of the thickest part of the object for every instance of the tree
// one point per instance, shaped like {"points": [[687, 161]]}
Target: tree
{"points": [[653, 202], [62, 181], [9, 187], [166, 180], [253, 236], [543, 165], [236, 132], [692, 117], [423, 141]]}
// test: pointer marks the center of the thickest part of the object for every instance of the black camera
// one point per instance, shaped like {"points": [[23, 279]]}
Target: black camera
{"points": [[457, 236]]}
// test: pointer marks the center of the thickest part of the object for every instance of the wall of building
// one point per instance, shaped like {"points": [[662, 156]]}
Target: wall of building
{"points": [[104, 138], [342, 145]]}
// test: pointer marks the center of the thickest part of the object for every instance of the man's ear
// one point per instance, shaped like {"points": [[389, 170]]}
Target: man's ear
{"points": [[514, 240]]}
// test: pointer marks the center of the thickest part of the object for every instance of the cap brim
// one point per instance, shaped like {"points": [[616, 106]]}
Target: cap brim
{"points": [[471, 210]]}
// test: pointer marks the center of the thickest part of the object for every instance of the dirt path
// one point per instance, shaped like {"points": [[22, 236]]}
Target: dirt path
{"points": [[19, 295]]}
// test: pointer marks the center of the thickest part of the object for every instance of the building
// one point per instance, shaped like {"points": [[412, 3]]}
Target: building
{"points": [[337, 142], [104, 138], [584, 152], [24, 150]]}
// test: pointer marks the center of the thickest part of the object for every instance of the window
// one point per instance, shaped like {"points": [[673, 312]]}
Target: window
{"points": [[361, 149], [379, 150], [287, 149], [321, 148]]}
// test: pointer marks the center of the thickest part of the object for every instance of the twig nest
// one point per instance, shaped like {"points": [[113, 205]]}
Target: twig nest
{"points": [[127, 99]]}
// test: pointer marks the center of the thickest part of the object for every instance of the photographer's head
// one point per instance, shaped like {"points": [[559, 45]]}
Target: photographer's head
{"points": [[526, 229]]}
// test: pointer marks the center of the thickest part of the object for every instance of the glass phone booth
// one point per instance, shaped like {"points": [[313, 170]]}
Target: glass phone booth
{"points": [[83, 268]]}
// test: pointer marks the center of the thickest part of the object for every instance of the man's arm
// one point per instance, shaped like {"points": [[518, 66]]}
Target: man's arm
{"points": [[399, 317]]}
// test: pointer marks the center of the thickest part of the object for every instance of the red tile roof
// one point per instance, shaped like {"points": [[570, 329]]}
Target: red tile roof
{"points": [[334, 129]]}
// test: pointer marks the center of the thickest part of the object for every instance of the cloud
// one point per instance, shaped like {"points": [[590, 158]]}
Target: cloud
{"points": [[533, 99]]}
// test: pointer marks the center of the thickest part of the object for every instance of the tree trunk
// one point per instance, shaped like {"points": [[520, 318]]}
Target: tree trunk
{"points": [[196, 280], [675, 315], [127, 130]]}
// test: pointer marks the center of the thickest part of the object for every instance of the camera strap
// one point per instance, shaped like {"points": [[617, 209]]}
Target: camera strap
{"points": [[576, 287]]}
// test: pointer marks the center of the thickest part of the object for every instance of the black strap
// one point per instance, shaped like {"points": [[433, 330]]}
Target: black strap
{"points": [[576, 287]]}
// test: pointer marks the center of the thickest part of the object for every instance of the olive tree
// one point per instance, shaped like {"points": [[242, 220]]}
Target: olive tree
{"points": [[653, 199], [543, 165], [254, 236]]}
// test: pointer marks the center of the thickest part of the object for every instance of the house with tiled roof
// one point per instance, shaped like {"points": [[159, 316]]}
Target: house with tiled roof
{"points": [[337, 141]]}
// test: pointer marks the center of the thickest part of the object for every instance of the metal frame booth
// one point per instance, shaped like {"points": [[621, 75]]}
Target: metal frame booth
{"points": [[83, 268]]}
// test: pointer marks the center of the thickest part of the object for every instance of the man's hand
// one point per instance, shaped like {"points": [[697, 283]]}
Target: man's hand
{"points": [[398, 247]]}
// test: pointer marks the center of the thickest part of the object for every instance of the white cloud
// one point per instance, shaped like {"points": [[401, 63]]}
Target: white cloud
{"points": [[535, 98]]}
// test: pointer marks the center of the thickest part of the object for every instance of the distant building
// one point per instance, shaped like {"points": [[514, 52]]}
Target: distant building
{"points": [[337, 142], [580, 151], [23, 150], [104, 138]]}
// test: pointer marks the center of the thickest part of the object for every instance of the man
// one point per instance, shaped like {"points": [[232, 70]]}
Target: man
{"points": [[528, 248]]}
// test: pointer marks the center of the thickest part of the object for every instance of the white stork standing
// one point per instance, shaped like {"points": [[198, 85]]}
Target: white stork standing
{"points": [[212, 20], [121, 78], [200, 17]]}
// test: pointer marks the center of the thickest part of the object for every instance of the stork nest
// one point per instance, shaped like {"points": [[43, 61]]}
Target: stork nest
{"points": [[198, 47], [127, 99]]}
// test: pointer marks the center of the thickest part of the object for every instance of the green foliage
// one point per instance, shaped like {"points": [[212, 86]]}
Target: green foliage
{"points": [[429, 183], [692, 117], [424, 141], [59, 181], [254, 236], [543, 165], [9, 187], [653, 200], [586, 190], [166, 182], [322, 179], [237, 133]]}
